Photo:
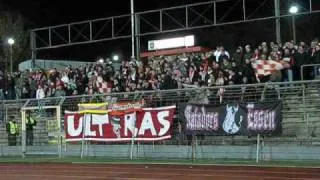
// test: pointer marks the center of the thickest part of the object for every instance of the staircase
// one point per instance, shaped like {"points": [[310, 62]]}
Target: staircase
{"points": [[40, 131], [301, 115], [10, 108]]}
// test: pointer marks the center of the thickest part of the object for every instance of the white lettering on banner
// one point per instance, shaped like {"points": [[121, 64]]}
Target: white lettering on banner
{"points": [[129, 124], [100, 120], [87, 121], [158, 122], [200, 119], [146, 124], [166, 124], [71, 129], [261, 120]]}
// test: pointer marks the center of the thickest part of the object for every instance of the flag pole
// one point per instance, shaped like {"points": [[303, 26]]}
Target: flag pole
{"points": [[83, 134], [133, 134], [132, 29]]}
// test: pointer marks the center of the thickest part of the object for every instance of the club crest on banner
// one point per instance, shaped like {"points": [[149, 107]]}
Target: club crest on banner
{"points": [[232, 123], [116, 127]]}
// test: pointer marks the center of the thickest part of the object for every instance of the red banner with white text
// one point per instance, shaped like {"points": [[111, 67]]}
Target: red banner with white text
{"points": [[148, 124]]}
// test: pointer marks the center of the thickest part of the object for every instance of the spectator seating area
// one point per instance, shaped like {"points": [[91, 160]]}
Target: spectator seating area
{"points": [[218, 67]]}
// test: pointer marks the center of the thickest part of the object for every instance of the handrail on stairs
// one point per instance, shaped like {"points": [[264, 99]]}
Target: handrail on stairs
{"points": [[306, 65]]}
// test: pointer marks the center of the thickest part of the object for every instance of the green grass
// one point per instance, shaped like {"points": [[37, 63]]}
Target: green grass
{"points": [[101, 160]]}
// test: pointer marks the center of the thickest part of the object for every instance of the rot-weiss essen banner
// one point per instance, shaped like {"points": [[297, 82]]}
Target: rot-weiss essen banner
{"points": [[146, 124], [232, 119]]}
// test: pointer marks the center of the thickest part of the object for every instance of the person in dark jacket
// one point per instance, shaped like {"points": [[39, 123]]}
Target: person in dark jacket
{"points": [[301, 58], [238, 56], [2, 87], [248, 73], [9, 88], [248, 52], [30, 123], [315, 59]]}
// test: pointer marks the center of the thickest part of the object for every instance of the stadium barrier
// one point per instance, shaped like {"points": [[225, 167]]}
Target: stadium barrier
{"points": [[315, 70], [298, 140]]}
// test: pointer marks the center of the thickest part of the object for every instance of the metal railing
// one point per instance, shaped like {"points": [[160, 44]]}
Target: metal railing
{"points": [[300, 125], [307, 65]]}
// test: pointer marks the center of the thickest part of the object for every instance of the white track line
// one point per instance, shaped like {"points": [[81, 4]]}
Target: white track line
{"points": [[195, 164], [156, 174], [124, 170], [167, 175]]}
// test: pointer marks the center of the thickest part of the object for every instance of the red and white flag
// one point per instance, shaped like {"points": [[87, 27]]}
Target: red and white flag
{"points": [[267, 67]]}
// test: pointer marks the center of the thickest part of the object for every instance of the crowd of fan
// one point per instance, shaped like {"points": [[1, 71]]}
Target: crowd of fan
{"points": [[215, 68]]}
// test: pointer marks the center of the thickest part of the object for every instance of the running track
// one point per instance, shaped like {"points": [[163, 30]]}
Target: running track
{"points": [[151, 172]]}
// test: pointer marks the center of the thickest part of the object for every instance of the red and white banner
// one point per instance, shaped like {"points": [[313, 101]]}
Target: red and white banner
{"points": [[125, 107], [267, 67], [149, 124]]}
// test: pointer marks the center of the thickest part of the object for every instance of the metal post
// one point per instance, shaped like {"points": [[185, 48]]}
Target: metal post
{"points": [[138, 149], [59, 131], [187, 19], [33, 51], [112, 26], [11, 59], [6, 114], [83, 134], [258, 148], [1, 150], [278, 25], [132, 30], [132, 139], [196, 140], [305, 119], [193, 148], [69, 33], [160, 20], [294, 29], [23, 133], [90, 24], [310, 4], [34, 58], [65, 146], [301, 72], [50, 37], [6, 65], [137, 28], [244, 9], [87, 149], [214, 13]]}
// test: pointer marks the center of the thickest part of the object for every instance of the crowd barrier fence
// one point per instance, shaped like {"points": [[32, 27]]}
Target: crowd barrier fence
{"points": [[300, 138]]}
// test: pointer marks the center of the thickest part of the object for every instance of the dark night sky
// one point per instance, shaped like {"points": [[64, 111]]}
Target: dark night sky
{"points": [[46, 13]]}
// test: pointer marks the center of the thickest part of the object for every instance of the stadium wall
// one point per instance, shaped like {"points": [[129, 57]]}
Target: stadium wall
{"points": [[158, 152]]}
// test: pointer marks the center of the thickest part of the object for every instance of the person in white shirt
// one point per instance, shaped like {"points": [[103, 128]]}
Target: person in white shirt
{"points": [[220, 51], [65, 78], [40, 94]]}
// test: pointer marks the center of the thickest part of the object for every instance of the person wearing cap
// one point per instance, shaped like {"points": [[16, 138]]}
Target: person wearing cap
{"points": [[30, 123], [13, 131]]}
